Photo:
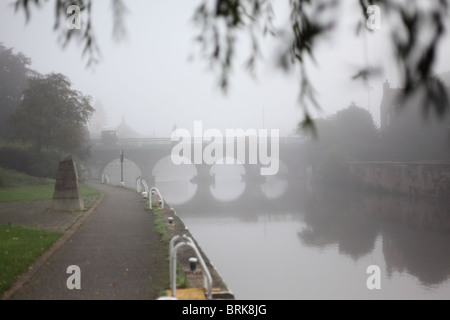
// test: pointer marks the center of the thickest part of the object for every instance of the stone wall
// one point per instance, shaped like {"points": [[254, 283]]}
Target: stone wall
{"points": [[412, 179]]}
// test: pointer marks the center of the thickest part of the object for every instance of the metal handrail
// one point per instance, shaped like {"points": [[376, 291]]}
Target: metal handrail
{"points": [[144, 183], [105, 179], [160, 196], [171, 245], [187, 241], [138, 185], [141, 182]]}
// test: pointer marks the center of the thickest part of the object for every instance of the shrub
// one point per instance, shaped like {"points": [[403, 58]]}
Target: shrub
{"points": [[29, 161]]}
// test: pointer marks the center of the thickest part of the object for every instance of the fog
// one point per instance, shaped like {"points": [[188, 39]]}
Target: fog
{"points": [[333, 207], [156, 78]]}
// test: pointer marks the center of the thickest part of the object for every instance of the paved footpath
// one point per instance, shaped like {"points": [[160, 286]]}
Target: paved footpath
{"points": [[119, 255]]}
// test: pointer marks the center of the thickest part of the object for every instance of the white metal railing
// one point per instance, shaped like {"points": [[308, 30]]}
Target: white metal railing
{"points": [[141, 183], [105, 179], [138, 186], [152, 192], [144, 183], [173, 248]]}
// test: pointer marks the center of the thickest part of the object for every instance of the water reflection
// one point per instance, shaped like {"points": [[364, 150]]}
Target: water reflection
{"points": [[228, 183], [175, 181], [276, 186], [421, 253], [321, 245], [415, 233], [291, 242]]}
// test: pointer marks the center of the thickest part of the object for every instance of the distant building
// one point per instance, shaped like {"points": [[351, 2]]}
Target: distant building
{"points": [[391, 102], [124, 131]]}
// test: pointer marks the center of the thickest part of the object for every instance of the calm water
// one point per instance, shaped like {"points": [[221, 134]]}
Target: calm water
{"points": [[280, 241], [323, 251]]}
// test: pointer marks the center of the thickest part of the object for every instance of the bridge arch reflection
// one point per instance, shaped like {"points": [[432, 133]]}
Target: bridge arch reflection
{"points": [[150, 159], [228, 180], [175, 181], [276, 186]]}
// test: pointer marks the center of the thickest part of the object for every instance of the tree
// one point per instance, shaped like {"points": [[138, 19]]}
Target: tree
{"points": [[52, 115], [417, 30], [357, 133], [351, 130], [14, 73], [348, 135]]}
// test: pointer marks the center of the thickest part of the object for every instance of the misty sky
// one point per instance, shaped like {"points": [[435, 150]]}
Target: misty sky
{"points": [[152, 80]]}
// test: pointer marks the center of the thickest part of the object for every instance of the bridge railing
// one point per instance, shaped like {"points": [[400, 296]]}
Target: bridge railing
{"points": [[133, 142], [168, 141]]}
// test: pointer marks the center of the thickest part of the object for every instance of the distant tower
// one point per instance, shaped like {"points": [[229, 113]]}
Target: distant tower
{"points": [[384, 107], [389, 104], [98, 121]]}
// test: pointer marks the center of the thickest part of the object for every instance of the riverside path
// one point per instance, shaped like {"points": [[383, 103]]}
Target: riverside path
{"points": [[119, 255]]}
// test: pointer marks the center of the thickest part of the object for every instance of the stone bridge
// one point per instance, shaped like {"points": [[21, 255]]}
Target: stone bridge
{"points": [[151, 156]]}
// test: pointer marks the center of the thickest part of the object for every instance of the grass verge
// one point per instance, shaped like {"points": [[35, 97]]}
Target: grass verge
{"points": [[21, 187], [16, 186], [90, 196], [161, 228], [27, 193], [19, 248], [44, 192]]}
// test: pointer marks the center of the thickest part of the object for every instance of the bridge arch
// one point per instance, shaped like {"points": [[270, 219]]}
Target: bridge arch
{"points": [[145, 154], [131, 172]]}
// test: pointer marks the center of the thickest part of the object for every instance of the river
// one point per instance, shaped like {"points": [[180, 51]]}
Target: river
{"points": [[282, 240]]}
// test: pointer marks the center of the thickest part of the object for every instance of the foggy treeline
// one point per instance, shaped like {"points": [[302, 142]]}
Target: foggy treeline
{"points": [[42, 118], [415, 134]]}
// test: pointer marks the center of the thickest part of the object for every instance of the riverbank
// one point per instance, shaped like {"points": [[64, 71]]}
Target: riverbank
{"points": [[174, 226], [31, 218], [115, 245]]}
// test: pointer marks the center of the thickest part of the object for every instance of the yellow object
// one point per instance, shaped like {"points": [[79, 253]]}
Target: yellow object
{"points": [[189, 294]]}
